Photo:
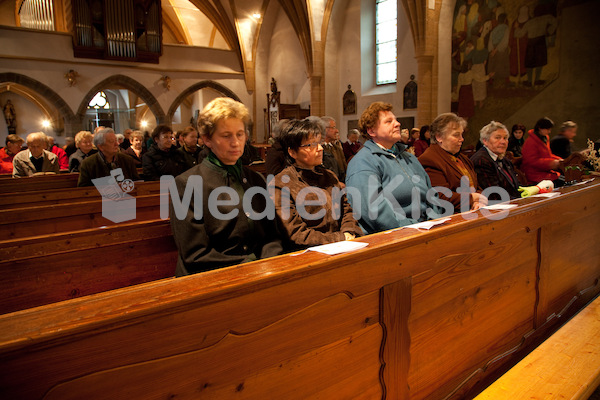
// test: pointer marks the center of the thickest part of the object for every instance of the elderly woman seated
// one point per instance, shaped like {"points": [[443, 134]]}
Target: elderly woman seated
{"points": [[162, 158], [220, 230], [308, 197], [136, 150], [492, 168], [447, 168], [85, 148]]}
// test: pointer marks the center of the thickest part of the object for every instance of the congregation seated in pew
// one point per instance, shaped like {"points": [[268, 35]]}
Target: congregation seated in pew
{"points": [[538, 162], [226, 234], [107, 158], [384, 167], [192, 152], [162, 158], [306, 180], [447, 167], [85, 148], [63, 159], [135, 150], [8, 152], [35, 160], [493, 169]]}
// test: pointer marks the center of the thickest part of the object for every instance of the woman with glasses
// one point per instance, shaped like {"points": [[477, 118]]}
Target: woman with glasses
{"points": [[308, 197], [222, 229], [162, 158]]}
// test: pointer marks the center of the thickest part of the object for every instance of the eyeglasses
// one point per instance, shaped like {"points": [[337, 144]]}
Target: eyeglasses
{"points": [[312, 145]]}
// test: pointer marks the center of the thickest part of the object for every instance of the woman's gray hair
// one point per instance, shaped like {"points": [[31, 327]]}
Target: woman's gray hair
{"points": [[486, 131], [100, 136], [320, 121], [442, 123]]}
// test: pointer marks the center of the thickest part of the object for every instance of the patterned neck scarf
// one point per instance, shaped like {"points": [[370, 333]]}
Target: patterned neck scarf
{"points": [[463, 169], [235, 170]]}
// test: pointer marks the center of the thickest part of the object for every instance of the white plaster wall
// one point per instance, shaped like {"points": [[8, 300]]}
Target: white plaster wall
{"points": [[357, 60], [47, 56], [286, 63], [261, 69], [29, 118]]}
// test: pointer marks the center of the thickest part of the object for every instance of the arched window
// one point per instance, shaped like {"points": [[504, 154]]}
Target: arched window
{"points": [[37, 14], [99, 101], [386, 37]]}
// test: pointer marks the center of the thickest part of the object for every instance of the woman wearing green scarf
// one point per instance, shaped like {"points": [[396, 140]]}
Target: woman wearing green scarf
{"points": [[226, 231]]}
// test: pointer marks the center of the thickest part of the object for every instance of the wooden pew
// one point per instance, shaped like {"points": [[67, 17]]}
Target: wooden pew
{"points": [[565, 366], [57, 267], [67, 195], [414, 315], [43, 182], [43, 220]]}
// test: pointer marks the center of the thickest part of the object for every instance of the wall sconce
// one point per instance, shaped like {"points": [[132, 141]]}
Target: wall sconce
{"points": [[166, 82], [71, 77]]}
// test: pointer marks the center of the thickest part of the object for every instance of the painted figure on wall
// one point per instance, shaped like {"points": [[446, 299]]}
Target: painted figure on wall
{"points": [[504, 49], [537, 29], [518, 45]]}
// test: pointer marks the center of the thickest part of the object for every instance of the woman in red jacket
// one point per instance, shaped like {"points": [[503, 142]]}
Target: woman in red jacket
{"points": [[538, 161]]}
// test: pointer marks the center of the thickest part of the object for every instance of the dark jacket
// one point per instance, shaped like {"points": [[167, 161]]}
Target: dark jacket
{"points": [[443, 170], [490, 173], [275, 160], [310, 232], [350, 149], [77, 158], [94, 167], [560, 146], [191, 159], [156, 163], [335, 150], [515, 146], [138, 160], [213, 242]]}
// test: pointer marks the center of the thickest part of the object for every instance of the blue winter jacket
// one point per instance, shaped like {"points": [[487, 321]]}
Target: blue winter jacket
{"points": [[381, 187]]}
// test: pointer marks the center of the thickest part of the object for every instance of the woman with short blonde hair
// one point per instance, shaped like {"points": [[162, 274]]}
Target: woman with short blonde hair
{"points": [[85, 148]]}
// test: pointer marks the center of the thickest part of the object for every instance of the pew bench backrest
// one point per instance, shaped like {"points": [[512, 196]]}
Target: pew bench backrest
{"points": [[414, 315], [43, 182], [57, 267], [55, 218], [36, 198]]}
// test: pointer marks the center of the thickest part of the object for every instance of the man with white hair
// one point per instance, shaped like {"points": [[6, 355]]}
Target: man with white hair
{"points": [[36, 160], [106, 159], [492, 168]]}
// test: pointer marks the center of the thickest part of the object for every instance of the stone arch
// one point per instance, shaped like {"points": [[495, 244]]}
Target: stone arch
{"points": [[128, 83], [194, 88], [42, 95]]}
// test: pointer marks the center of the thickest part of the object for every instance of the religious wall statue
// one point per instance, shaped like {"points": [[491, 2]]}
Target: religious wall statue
{"points": [[10, 116], [349, 101], [410, 94], [273, 99]]}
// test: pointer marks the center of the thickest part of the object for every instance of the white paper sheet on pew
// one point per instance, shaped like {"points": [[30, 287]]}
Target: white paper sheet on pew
{"points": [[426, 224], [338, 247], [550, 194], [500, 206]]}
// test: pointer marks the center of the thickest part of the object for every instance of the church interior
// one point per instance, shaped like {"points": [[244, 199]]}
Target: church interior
{"points": [[436, 313]]}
